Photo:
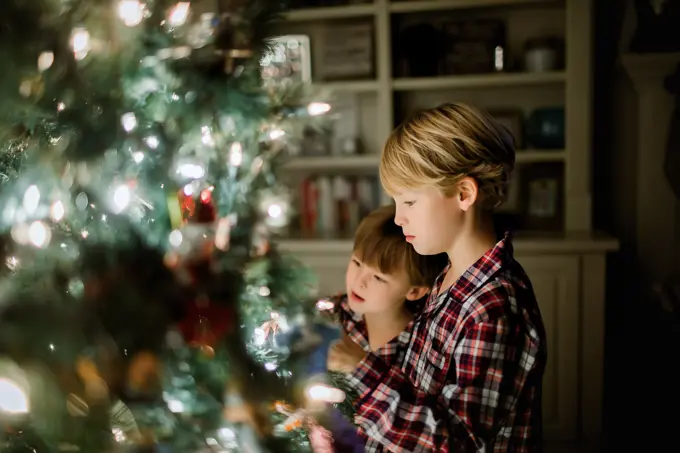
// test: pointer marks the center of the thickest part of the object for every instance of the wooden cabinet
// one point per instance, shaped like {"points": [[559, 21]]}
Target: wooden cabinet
{"points": [[556, 285]]}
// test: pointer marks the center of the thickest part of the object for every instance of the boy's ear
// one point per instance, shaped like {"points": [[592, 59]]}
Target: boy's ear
{"points": [[468, 191], [417, 292]]}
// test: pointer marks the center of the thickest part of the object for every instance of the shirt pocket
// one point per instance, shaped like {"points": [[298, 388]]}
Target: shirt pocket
{"points": [[427, 365], [434, 370]]}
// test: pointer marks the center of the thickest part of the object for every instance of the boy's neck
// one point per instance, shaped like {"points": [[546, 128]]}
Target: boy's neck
{"points": [[477, 237], [383, 327]]}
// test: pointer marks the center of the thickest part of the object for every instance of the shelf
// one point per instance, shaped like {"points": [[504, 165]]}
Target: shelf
{"points": [[352, 86], [540, 155], [372, 161], [358, 162], [307, 246], [439, 5], [330, 12], [478, 81]]}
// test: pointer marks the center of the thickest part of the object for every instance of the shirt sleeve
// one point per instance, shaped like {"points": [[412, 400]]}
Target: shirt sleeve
{"points": [[488, 368], [391, 412]]}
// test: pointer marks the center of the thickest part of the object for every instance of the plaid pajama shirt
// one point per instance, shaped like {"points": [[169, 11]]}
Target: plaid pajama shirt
{"points": [[465, 375]]}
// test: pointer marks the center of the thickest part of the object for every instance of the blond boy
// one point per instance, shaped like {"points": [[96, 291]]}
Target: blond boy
{"points": [[467, 373]]}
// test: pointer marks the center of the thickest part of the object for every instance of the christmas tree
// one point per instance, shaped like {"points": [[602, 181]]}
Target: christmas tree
{"points": [[143, 290]]}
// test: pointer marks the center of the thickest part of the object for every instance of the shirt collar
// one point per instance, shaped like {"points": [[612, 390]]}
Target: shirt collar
{"points": [[474, 277]]}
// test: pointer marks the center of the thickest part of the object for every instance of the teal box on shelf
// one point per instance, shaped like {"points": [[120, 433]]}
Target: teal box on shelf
{"points": [[545, 128]]}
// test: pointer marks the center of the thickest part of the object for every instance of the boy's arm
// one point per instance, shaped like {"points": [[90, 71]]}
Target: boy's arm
{"points": [[488, 368]]}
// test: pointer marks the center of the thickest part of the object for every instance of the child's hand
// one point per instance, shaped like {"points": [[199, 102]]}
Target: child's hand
{"points": [[344, 355]]}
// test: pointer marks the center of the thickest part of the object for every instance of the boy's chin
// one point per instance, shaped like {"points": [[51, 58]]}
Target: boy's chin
{"points": [[359, 308], [426, 249]]}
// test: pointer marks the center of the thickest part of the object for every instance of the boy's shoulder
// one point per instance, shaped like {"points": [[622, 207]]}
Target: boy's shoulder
{"points": [[508, 293]]}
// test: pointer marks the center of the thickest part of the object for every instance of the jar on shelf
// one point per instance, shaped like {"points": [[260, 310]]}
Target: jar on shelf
{"points": [[543, 54]]}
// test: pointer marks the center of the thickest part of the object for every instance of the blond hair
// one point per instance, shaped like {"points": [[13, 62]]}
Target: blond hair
{"points": [[380, 243], [439, 146]]}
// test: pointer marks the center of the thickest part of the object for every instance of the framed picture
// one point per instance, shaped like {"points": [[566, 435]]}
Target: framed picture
{"points": [[542, 192], [289, 60], [513, 120], [512, 203]]}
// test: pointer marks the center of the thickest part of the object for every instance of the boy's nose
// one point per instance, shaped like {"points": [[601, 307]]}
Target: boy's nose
{"points": [[362, 279]]}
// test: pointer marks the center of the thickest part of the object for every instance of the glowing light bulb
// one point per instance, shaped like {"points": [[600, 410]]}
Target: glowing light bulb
{"points": [[129, 121], [152, 141], [39, 234], [57, 211], [236, 154], [175, 406], [31, 199], [207, 137], [191, 171], [276, 134], [318, 108], [45, 61], [131, 11], [176, 238], [13, 399], [179, 14], [275, 211], [324, 305], [80, 42], [325, 394], [121, 197]]}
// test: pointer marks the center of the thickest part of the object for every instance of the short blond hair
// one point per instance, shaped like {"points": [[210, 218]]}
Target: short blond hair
{"points": [[380, 243], [439, 146]]}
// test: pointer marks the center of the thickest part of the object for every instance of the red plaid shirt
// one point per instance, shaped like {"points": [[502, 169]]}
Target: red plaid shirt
{"points": [[465, 375]]}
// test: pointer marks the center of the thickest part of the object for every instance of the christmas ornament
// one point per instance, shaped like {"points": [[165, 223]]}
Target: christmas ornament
{"points": [[206, 323], [144, 373]]}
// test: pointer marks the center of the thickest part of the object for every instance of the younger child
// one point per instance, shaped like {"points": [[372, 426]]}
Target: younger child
{"points": [[386, 283]]}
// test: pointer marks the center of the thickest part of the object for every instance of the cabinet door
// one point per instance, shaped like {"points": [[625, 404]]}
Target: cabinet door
{"points": [[556, 284]]}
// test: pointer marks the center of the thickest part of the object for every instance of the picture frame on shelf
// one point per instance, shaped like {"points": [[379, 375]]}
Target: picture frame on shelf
{"points": [[542, 191], [347, 53], [289, 60], [512, 203]]}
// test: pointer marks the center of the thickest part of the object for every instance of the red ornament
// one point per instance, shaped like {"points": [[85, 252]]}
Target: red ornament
{"points": [[199, 209], [206, 323]]}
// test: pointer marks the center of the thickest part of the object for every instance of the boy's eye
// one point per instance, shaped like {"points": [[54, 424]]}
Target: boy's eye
{"points": [[409, 203], [380, 279], [356, 262]]}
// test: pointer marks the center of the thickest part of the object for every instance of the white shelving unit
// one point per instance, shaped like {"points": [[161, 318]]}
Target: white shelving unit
{"points": [[570, 87], [568, 268]]}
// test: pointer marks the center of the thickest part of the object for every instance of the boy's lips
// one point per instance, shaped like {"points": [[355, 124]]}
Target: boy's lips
{"points": [[354, 297]]}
